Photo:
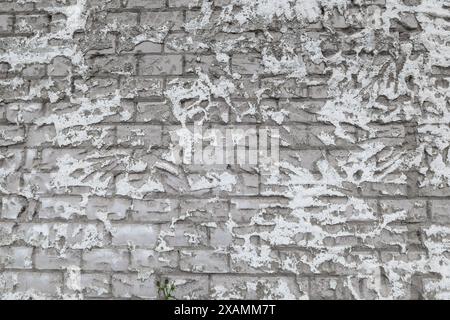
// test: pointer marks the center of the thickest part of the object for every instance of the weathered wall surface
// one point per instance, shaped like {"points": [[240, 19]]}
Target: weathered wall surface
{"points": [[93, 205]]}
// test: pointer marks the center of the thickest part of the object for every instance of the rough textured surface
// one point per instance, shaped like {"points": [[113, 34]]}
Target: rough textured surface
{"points": [[94, 206]]}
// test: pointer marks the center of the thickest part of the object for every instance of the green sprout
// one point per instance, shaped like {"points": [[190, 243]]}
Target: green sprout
{"points": [[166, 289]]}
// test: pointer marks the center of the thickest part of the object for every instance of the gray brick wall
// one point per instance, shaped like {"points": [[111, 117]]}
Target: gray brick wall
{"points": [[96, 97]]}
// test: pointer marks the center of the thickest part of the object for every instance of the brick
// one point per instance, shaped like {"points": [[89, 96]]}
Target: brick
{"points": [[263, 260], [105, 260], [34, 71], [190, 287], [11, 135], [6, 233], [40, 182], [25, 112], [144, 259], [12, 159], [2, 109], [374, 189], [415, 210], [199, 210], [16, 258], [243, 209], [107, 65], [315, 68], [369, 2], [154, 112], [51, 157], [6, 23], [60, 67], [184, 235], [140, 87], [91, 136], [155, 210], [11, 183], [114, 209], [160, 65], [12, 207], [246, 64], [338, 21], [290, 89], [117, 20], [201, 184], [171, 19], [139, 136], [58, 23], [222, 2], [207, 64], [326, 288], [440, 211], [435, 191], [130, 286], [301, 111], [51, 259], [409, 21], [38, 284], [176, 43], [105, 4], [40, 136], [46, 4], [92, 88], [248, 184], [193, 17], [302, 158], [95, 45], [296, 261], [147, 4], [95, 285], [32, 23], [201, 261], [14, 89], [232, 287], [438, 70], [31, 159], [137, 186], [13, 6], [148, 47], [183, 3], [220, 236], [69, 207], [134, 234], [74, 235], [87, 285], [318, 92]]}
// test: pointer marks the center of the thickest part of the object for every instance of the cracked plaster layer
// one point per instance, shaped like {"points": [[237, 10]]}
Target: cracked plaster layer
{"points": [[93, 204]]}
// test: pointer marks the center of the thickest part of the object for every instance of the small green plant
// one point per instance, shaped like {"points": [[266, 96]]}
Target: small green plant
{"points": [[166, 289]]}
